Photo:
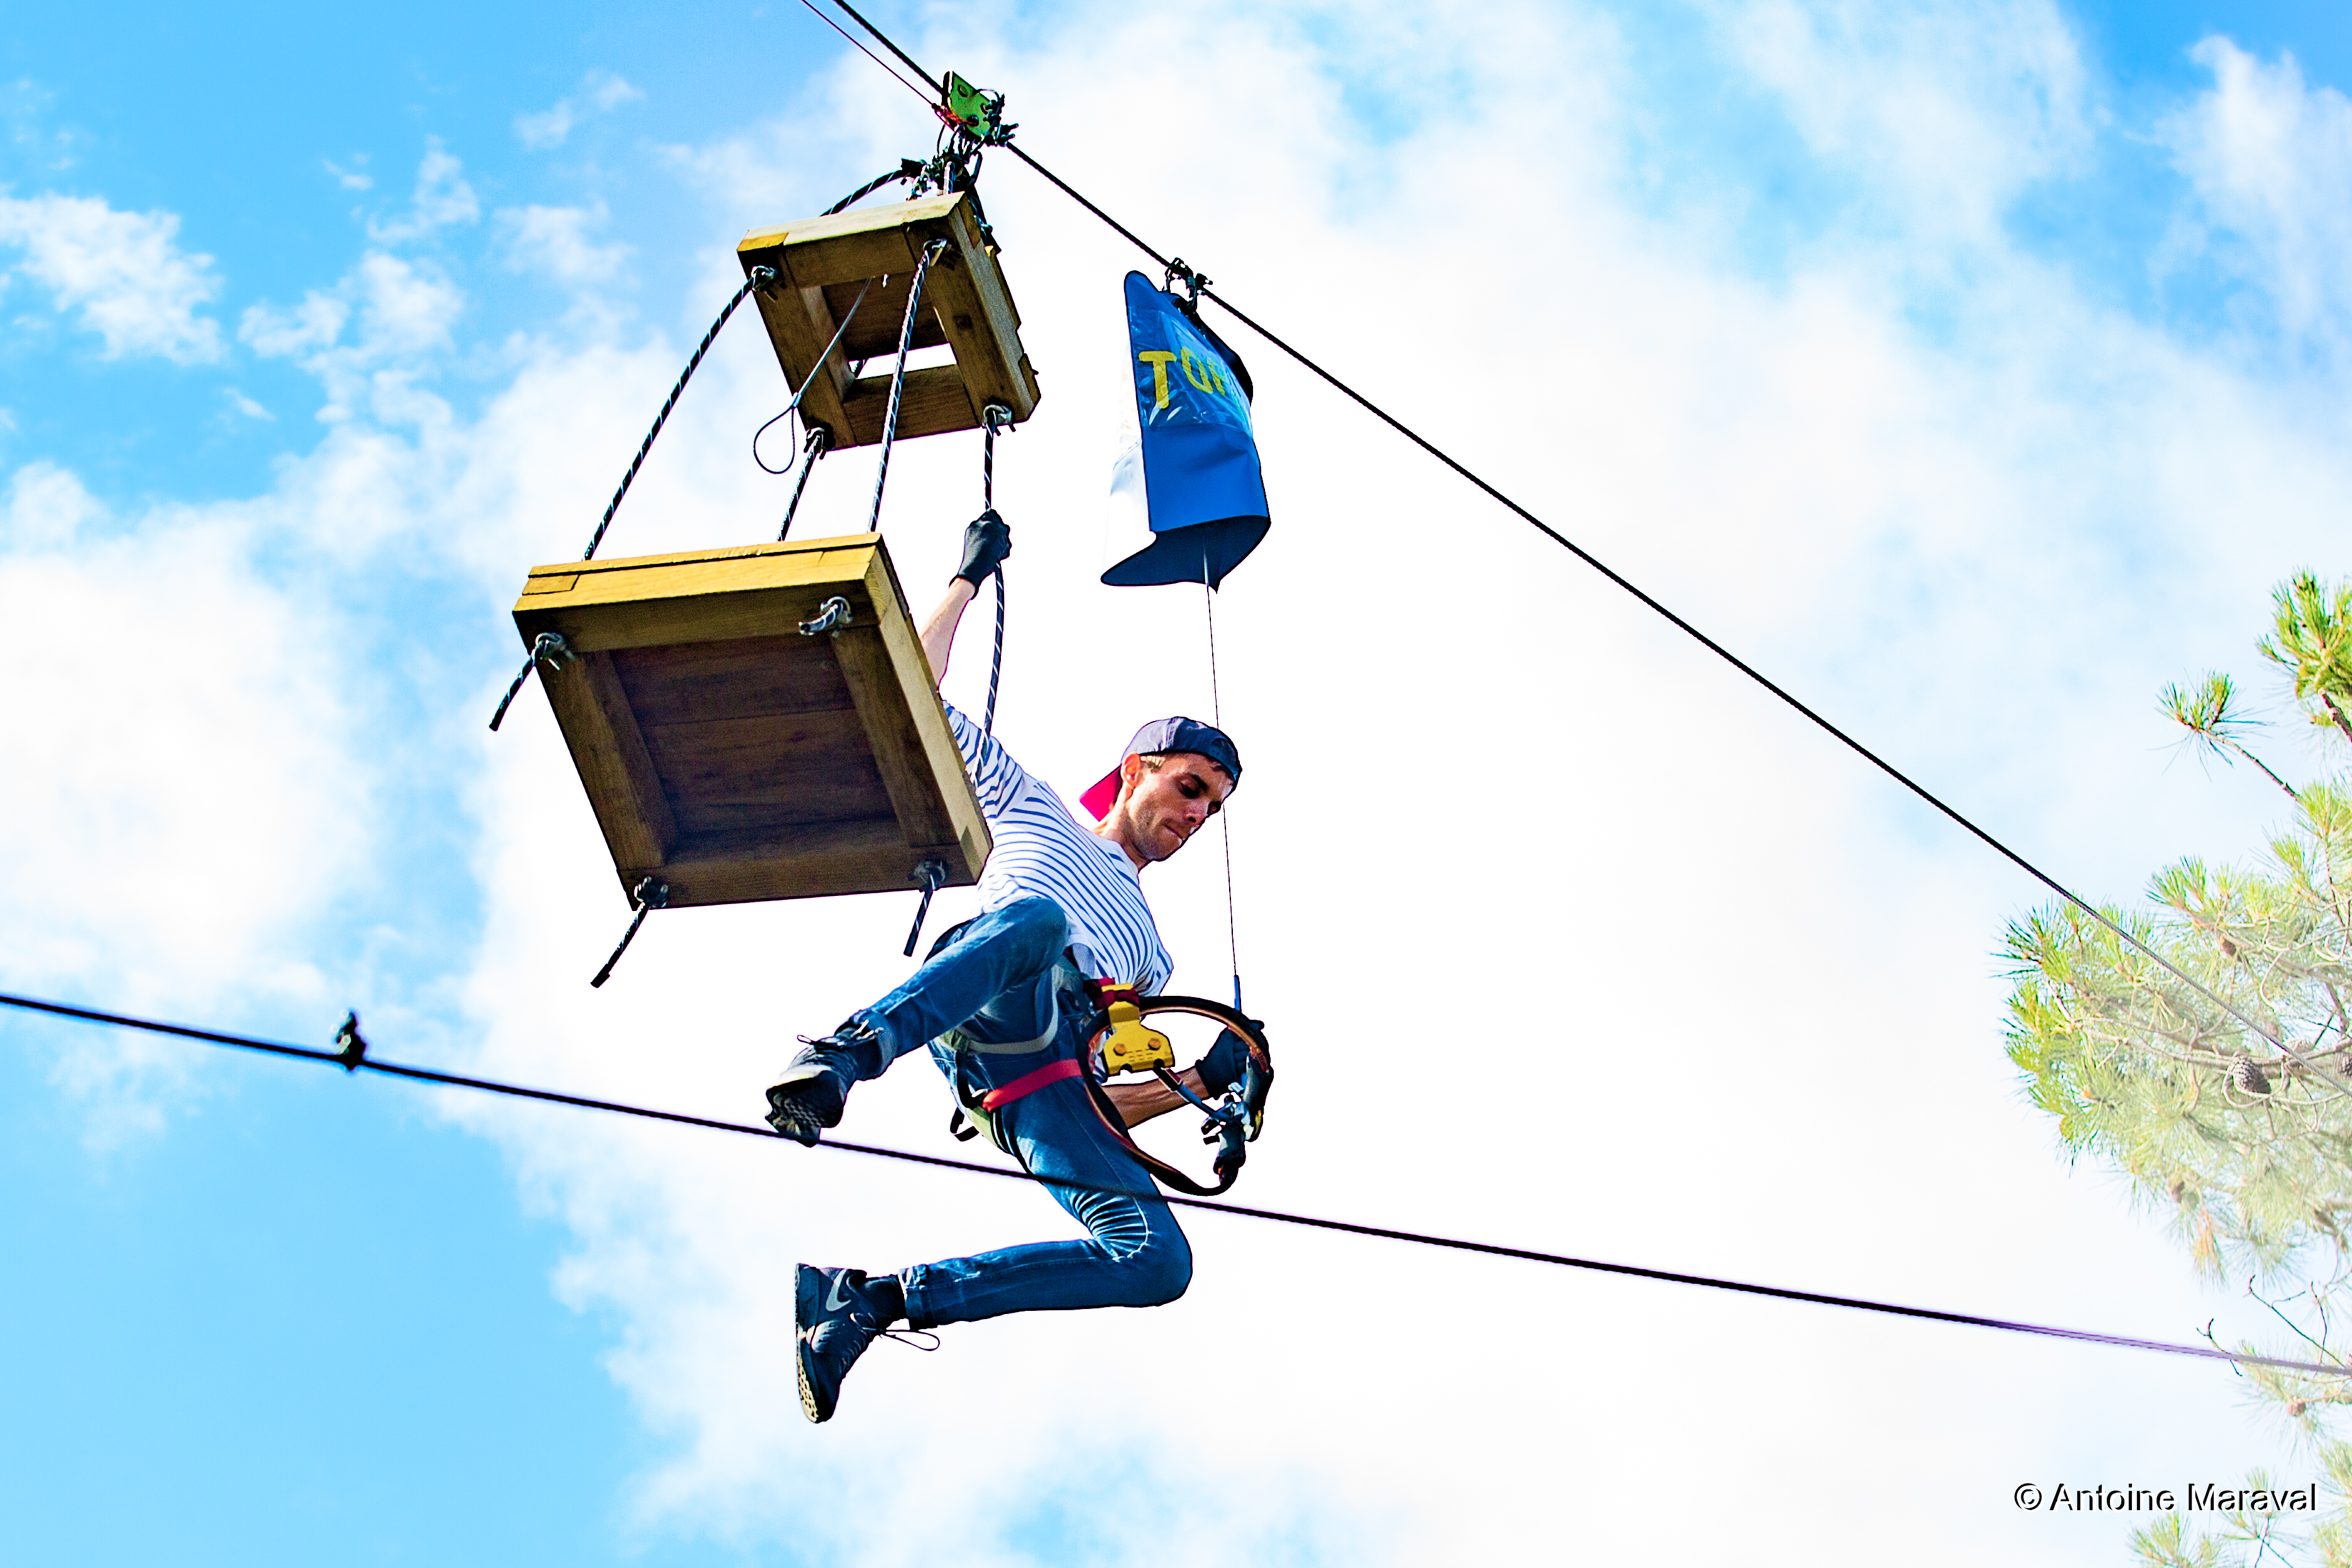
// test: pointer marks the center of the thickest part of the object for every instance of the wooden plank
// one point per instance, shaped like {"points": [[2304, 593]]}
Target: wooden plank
{"points": [[976, 306], [702, 596], [828, 565], [934, 402], [797, 338], [791, 863], [711, 618], [850, 547], [682, 683], [917, 696], [807, 767], [883, 216], [897, 745], [848, 258], [874, 331], [615, 766]]}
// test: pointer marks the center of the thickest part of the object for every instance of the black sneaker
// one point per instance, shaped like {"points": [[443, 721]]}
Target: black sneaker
{"points": [[834, 1318], [810, 1096]]}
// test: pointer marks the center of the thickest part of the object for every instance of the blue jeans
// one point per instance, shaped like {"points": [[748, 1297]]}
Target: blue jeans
{"points": [[995, 983]]}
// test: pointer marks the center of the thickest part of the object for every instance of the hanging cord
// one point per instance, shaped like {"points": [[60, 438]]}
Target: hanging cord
{"points": [[554, 655], [1225, 811], [995, 414], [820, 442], [351, 1057], [932, 253], [808, 380], [759, 277]]}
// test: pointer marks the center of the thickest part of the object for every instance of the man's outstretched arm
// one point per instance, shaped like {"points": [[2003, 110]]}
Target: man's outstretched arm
{"points": [[986, 542], [939, 630]]}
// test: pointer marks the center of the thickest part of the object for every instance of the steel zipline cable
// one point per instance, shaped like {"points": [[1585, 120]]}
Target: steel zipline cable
{"points": [[353, 1057], [2329, 1081]]}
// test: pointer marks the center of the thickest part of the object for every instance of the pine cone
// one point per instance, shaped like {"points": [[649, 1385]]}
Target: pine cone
{"points": [[2294, 1408], [2248, 1075]]}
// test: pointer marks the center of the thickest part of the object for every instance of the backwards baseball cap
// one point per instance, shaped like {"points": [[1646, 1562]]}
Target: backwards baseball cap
{"points": [[1177, 735]]}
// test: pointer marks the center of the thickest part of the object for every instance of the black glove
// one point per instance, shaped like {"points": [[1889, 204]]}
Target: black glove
{"points": [[987, 541], [1223, 1068]]}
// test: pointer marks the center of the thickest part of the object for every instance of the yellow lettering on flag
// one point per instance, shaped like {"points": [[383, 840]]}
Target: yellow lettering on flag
{"points": [[1157, 360], [1201, 372]]}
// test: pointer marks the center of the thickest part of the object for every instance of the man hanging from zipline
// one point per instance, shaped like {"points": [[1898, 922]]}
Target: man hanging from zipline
{"points": [[1001, 1003]]}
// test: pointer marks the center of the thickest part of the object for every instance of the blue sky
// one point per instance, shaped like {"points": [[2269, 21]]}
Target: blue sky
{"points": [[1952, 430]]}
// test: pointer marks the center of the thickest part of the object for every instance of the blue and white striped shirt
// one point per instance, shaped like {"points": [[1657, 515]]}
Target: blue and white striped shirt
{"points": [[1042, 849]]}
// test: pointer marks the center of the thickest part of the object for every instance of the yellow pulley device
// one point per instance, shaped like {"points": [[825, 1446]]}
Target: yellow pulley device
{"points": [[1127, 1043]]}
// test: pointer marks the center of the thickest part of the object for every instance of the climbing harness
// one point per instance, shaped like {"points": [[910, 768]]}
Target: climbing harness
{"points": [[1121, 1041], [1117, 1039]]}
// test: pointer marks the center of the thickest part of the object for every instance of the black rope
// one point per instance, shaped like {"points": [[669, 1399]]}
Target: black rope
{"points": [[932, 253], [760, 275], [995, 414], [820, 442], [652, 893], [351, 1057], [1741, 665], [548, 649], [907, 169], [869, 54]]}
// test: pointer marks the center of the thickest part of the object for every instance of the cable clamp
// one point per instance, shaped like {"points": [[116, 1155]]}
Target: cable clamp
{"points": [[1193, 281], [831, 616], [651, 893], [933, 876], [349, 1048], [547, 650]]}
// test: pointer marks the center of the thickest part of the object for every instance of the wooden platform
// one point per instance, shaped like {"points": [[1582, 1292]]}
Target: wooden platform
{"points": [[734, 758], [821, 263]]}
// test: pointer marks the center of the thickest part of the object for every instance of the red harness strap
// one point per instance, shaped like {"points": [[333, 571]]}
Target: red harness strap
{"points": [[1029, 1083]]}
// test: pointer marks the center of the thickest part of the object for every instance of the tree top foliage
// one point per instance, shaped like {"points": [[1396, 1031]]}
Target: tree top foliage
{"points": [[2249, 1149]]}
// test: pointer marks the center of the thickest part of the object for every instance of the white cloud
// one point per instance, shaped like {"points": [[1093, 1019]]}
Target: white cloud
{"points": [[1946, 108], [173, 712], [122, 271], [442, 198], [352, 179], [2271, 160], [314, 323], [404, 311], [46, 507], [601, 91], [240, 403], [554, 241]]}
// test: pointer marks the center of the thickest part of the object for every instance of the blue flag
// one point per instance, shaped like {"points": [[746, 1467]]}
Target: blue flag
{"points": [[1194, 498]]}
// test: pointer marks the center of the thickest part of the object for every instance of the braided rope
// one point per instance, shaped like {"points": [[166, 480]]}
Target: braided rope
{"points": [[759, 276], [932, 253]]}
